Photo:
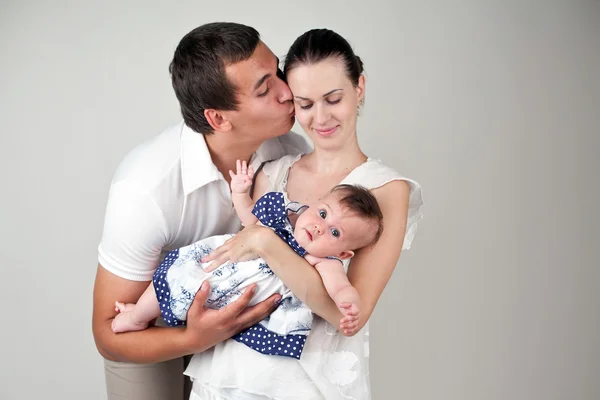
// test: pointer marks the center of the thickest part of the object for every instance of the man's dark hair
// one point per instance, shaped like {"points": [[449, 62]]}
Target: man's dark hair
{"points": [[360, 200], [198, 69]]}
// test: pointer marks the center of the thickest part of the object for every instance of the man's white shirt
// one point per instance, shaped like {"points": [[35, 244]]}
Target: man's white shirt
{"points": [[166, 194]]}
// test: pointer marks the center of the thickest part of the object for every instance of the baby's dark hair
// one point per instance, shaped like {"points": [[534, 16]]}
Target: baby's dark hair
{"points": [[360, 200]]}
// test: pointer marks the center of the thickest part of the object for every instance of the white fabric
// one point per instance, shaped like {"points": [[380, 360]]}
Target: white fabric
{"points": [[332, 366], [185, 276], [166, 194], [200, 392]]}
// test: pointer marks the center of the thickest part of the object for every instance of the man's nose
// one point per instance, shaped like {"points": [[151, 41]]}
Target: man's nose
{"points": [[285, 94]]}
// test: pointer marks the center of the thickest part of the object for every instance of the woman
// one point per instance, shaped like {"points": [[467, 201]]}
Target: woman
{"points": [[325, 77]]}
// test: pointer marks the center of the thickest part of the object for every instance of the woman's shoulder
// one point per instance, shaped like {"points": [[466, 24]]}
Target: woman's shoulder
{"points": [[276, 171], [391, 184], [374, 174], [281, 163]]}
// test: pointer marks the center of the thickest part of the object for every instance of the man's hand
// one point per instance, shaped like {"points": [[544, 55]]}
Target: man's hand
{"points": [[207, 327], [241, 180]]}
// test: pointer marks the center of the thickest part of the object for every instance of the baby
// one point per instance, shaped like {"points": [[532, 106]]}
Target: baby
{"points": [[346, 219]]}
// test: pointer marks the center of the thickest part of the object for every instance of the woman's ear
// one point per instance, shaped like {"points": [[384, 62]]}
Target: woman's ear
{"points": [[217, 120], [360, 89]]}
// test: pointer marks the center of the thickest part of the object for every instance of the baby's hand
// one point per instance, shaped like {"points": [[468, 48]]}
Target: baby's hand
{"points": [[242, 179], [349, 324]]}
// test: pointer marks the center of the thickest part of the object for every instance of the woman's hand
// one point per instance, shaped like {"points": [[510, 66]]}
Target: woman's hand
{"points": [[243, 246]]}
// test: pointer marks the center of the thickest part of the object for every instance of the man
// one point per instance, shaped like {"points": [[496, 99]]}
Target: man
{"points": [[174, 190]]}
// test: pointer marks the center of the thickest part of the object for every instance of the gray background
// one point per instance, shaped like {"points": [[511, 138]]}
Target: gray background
{"points": [[493, 106]]}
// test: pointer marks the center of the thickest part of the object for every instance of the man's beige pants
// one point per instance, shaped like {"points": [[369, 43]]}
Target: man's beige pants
{"points": [[161, 381]]}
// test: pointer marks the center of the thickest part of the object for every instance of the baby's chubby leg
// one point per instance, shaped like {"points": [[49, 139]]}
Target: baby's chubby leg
{"points": [[135, 317]]}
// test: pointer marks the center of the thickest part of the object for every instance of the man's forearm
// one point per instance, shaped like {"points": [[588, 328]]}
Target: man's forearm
{"points": [[151, 345]]}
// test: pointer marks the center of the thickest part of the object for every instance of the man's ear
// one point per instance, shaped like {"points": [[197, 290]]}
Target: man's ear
{"points": [[344, 255], [217, 120]]}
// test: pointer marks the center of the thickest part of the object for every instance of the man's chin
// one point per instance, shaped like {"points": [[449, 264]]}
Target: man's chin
{"points": [[290, 124], [284, 128]]}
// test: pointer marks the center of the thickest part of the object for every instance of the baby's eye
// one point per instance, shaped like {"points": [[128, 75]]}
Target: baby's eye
{"points": [[335, 232], [323, 214]]}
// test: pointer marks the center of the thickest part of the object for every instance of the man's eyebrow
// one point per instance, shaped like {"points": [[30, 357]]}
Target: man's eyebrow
{"points": [[264, 78], [325, 95], [261, 81]]}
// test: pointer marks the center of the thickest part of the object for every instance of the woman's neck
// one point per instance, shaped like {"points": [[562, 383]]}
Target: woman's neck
{"points": [[339, 161]]}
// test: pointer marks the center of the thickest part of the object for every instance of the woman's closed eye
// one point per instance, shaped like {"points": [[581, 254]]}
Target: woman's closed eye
{"points": [[308, 106], [305, 106]]}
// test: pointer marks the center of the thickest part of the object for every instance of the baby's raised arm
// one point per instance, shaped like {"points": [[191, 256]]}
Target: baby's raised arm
{"points": [[241, 181], [338, 286]]}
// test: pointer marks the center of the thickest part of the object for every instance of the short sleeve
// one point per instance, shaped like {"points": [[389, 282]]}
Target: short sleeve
{"points": [[270, 209], [276, 171], [374, 174], [133, 236], [415, 202]]}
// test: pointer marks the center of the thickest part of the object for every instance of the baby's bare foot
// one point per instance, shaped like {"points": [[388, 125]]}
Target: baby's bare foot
{"points": [[123, 322], [123, 307]]}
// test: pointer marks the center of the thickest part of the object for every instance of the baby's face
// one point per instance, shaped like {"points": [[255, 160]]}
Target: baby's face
{"points": [[328, 229]]}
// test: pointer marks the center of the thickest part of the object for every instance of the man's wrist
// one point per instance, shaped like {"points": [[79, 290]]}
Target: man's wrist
{"points": [[186, 342]]}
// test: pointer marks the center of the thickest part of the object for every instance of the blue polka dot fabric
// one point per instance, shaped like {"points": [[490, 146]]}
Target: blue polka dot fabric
{"points": [[264, 341], [271, 211], [161, 288]]}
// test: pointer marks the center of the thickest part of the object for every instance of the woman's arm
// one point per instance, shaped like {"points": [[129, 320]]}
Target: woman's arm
{"points": [[372, 266], [295, 272], [369, 270]]}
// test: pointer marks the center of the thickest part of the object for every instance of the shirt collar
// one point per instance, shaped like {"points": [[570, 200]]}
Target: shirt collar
{"points": [[197, 168]]}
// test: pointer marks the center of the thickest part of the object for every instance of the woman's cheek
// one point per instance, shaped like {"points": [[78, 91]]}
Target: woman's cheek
{"points": [[302, 116]]}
